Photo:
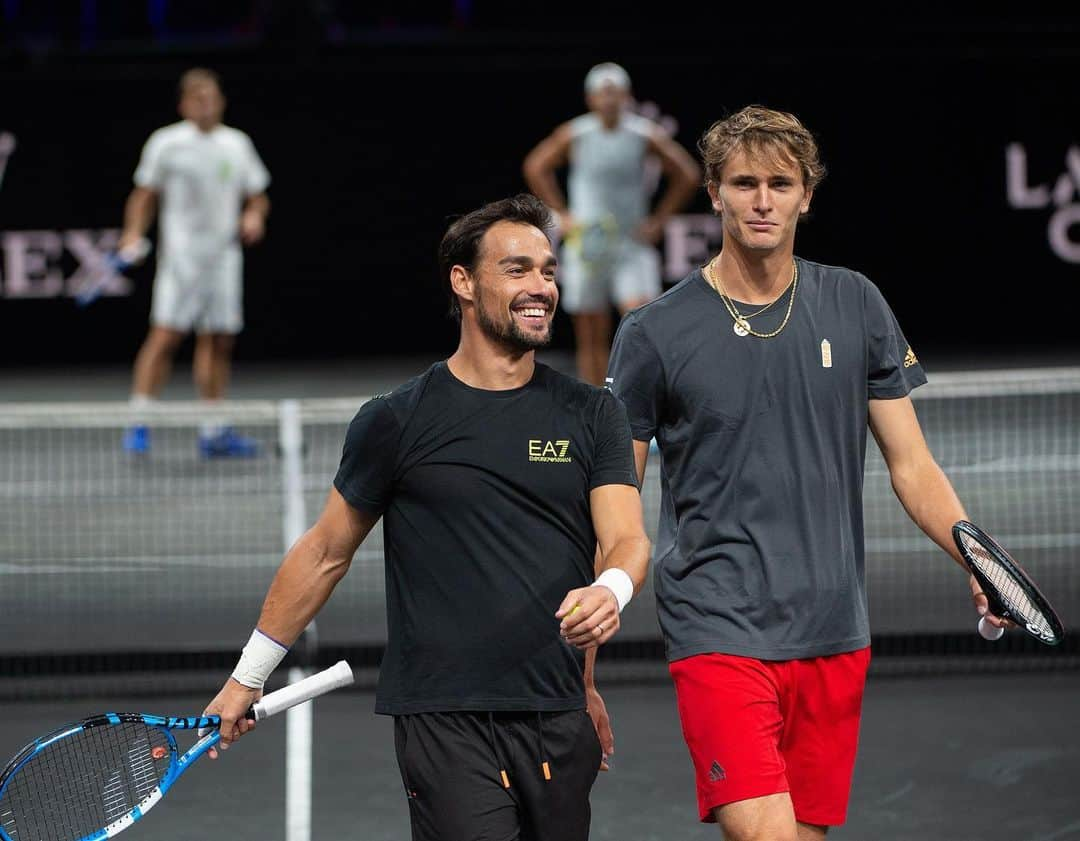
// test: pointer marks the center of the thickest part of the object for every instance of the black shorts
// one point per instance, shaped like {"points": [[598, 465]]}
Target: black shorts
{"points": [[452, 767]]}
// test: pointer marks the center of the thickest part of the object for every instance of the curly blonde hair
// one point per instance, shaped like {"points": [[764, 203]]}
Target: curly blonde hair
{"points": [[773, 136]]}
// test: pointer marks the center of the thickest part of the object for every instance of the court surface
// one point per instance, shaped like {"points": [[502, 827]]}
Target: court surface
{"points": [[951, 758]]}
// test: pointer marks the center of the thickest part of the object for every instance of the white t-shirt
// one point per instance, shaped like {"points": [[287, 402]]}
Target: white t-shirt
{"points": [[202, 179]]}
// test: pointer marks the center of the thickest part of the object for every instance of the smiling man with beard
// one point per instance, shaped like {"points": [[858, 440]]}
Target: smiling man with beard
{"points": [[499, 480]]}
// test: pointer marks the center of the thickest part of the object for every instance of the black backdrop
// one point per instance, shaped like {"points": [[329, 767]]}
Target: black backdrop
{"points": [[375, 142]]}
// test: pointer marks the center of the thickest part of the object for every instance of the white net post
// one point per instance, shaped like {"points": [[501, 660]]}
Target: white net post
{"points": [[298, 723]]}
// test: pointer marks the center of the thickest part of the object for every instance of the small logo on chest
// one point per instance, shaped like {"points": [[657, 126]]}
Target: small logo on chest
{"points": [[549, 451]]}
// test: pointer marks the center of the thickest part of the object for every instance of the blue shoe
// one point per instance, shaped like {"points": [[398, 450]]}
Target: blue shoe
{"points": [[228, 444], [137, 440]]}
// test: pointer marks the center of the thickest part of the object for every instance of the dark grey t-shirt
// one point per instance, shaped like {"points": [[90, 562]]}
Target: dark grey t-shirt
{"points": [[486, 523], [763, 441]]}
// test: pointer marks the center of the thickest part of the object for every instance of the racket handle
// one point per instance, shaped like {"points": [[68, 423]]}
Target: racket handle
{"points": [[317, 684]]}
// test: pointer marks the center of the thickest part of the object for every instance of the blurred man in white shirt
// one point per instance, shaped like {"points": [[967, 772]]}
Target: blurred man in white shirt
{"points": [[210, 185]]}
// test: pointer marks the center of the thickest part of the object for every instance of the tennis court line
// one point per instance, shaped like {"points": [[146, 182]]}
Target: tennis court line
{"points": [[1067, 540], [94, 565]]}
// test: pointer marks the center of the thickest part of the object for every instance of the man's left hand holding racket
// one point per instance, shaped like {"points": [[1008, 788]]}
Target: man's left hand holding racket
{"points": [[1005, 594], [131, 252]]}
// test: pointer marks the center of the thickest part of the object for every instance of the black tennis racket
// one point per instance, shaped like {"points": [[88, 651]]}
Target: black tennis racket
{"points": [[1009, 590], [93, 778]]}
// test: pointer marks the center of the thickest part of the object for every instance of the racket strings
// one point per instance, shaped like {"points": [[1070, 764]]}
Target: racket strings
{"points": [[83, 782], [1012, 595]]}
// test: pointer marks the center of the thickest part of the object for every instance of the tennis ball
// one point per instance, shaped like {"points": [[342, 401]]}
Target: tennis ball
{"points": [[988, 631]]}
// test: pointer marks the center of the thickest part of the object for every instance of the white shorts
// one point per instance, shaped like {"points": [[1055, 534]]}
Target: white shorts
{"points": [[631, 273], [202, 295]]}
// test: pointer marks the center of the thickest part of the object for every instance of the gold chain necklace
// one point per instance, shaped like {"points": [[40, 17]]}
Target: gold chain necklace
{"points": [[742, 327]]}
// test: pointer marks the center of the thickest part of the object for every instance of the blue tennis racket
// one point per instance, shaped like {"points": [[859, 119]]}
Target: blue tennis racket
{"points": [[94, 778], [112, 263]]}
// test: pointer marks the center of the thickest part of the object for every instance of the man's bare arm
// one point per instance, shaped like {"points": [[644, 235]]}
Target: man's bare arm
{"points": [[918, 481], [920, 484], [307, 576], [253, 218], [590, 615], [641, 456], [681, 170], [139, 210], [312, 568], [549, 155]]}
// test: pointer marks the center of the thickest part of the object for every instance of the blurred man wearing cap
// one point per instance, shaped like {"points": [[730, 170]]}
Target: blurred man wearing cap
{"points": [[609, 232]]}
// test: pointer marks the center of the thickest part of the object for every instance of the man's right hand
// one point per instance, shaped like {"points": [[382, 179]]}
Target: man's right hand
{"points": [[231, 704], [129, 240], [133, 248]]}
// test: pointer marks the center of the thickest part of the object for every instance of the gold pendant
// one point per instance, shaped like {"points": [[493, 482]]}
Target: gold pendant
{"points": [[741, 327]]}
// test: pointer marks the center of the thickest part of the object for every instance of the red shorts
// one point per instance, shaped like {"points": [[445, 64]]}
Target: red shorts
{"points": [[760, 727]]}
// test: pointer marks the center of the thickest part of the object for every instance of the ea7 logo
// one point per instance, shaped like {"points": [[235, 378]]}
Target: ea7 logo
{"points": [[549, 451], [1023, 195]]}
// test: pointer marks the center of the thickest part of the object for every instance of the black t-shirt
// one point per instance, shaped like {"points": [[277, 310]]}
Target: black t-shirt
{"points": [[760, 547], [487, 525]]}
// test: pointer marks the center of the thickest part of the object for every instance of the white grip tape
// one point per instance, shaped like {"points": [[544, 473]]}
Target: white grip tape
{"points": [[335, 677], [620, 583], [259, 658]]}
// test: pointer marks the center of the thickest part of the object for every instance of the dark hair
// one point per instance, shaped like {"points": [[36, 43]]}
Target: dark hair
{"points": [[460, 244], [198, 76]]}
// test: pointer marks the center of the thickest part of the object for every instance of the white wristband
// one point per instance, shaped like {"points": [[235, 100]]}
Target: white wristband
{"points": [[620, 583], [258, 659]]}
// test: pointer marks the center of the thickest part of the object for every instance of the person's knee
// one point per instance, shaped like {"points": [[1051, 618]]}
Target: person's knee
{"points": [[163, 342], [812, 832], [769, 818], [223, 344], [763, 831], [218, 345]]}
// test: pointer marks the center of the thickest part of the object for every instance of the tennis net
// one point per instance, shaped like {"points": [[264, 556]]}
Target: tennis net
{"points": [[148, 572]]}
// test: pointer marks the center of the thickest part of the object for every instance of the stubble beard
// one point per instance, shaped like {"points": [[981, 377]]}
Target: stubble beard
{"points": [[508, 333]]}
